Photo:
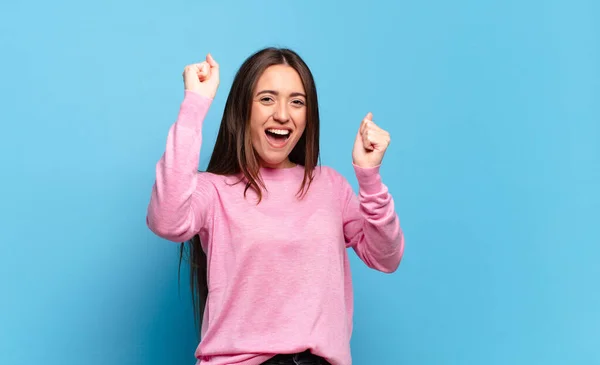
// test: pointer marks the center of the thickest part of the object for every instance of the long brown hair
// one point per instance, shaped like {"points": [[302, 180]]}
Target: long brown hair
{"points": [[233, 153]]}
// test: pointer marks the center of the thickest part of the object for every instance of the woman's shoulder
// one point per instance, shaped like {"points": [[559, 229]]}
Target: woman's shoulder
{"points": [[331, 175], [209, 183], [217, 179]]}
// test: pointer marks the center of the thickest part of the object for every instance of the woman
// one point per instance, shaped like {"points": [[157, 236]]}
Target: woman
{"points": [[268, 229]]}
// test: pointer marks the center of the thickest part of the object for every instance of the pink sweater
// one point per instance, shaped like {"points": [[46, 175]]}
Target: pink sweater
{"points": [[278, 272]]}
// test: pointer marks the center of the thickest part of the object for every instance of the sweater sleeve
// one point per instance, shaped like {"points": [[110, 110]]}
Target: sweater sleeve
{"points": [[180, 198], [371, 225]]}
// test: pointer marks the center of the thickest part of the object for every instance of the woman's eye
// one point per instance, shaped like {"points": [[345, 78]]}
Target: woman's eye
{"points": [[266, 99], [298, 102]]}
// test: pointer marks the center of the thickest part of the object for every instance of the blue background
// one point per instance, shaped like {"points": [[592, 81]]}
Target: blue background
{"points": [[493, 108]]}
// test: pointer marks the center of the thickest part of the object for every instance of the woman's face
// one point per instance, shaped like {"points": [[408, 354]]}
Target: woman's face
{"points": [[278, 115]]}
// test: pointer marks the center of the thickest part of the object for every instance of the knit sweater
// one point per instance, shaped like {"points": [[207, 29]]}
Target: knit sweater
{"points": [[278, 271]]}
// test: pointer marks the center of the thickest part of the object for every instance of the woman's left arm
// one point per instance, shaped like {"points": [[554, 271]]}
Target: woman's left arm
{"points": [[371, 224]]}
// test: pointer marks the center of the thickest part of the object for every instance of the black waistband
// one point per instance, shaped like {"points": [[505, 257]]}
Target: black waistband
{"points": [[304, 357]]}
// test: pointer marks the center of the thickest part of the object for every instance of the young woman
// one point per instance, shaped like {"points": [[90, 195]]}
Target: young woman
{"points": [[269, 229]]}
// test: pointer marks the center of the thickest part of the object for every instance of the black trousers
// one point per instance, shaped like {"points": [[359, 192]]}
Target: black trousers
{"points": [[302, 358]]}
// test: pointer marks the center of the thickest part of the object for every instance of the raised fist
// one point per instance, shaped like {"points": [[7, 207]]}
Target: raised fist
{"points": [[203, 77]]}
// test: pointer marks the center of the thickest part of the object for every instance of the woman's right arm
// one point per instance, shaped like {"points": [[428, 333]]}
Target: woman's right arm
{"points": [[179, 201], [175, 211]]}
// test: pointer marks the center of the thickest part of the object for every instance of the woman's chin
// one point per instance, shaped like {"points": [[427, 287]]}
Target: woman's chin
{"points": [[276, 163]]}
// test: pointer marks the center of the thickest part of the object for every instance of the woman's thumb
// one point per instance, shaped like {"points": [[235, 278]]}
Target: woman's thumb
{"points": [[211, 61]]}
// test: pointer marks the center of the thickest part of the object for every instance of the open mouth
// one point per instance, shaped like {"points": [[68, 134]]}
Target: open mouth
{"points": [[278, 137]]}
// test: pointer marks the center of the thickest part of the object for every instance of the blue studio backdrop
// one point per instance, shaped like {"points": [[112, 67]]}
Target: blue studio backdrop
{"points": [[493, 108]]}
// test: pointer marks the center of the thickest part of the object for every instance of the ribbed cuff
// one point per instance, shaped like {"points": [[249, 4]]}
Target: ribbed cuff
{"points": [[193, 110], [369, 179]]}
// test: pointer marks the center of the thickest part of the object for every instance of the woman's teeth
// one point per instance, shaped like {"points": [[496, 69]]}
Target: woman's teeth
{"points": [[281, 132]]}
